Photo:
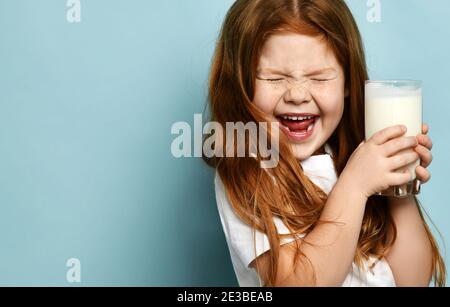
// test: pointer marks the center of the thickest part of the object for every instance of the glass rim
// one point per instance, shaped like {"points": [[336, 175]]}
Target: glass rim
{"points": [[395, 81]]}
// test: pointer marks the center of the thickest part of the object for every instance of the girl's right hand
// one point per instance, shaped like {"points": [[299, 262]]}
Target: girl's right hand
{"points": [[372, 166]]}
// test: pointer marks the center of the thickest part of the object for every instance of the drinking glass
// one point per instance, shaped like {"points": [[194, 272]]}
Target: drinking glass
{"points": [[395, 102]]}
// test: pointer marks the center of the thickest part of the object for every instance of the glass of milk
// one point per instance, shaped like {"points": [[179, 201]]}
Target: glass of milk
{"points": [[395, 102]]}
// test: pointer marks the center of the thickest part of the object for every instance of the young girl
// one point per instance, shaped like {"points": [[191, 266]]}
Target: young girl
{"points": [[313, 220]]}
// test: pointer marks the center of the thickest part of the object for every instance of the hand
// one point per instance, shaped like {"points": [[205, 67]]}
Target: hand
{"points": [[374, 165], [424, 150]]}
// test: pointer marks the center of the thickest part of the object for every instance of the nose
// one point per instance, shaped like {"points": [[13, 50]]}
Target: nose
{"points": [[298, 93]]}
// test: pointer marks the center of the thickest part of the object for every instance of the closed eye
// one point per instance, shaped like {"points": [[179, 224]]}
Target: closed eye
{"points": [[274, 80]]}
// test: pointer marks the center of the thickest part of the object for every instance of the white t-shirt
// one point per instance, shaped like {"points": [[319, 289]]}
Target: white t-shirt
{"points": [[239, 236]]}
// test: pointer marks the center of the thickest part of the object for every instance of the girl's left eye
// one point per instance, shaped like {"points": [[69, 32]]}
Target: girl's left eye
{"points": [[321, 80]]}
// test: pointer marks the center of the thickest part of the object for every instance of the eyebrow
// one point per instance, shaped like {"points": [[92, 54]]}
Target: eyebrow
{"points": [[321, 71], [313, 73]]}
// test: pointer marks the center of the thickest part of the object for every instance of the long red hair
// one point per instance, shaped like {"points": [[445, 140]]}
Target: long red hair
{"points": [[251, 189]]}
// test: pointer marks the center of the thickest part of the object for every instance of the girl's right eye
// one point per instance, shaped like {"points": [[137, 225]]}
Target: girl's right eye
{"points": [[271, 80], [275, 80]]}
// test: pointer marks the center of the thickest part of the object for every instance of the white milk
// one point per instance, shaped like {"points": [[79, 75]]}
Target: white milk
{"points": [[387, 105]]}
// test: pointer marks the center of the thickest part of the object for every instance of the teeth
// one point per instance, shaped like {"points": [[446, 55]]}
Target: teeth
{"points": [[310, 127], [297, 118]]}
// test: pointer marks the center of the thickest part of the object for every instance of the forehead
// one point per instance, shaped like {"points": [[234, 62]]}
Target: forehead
{"points": [[291, 52]]}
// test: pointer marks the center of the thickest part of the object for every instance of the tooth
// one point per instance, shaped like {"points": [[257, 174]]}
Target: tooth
{"points": [[310, 127]]}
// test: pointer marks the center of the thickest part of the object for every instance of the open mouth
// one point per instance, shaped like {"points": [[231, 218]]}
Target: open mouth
{"points": [[298, 126]]}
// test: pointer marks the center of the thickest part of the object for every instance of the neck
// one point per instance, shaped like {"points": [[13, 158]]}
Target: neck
{"points": [[320, 151]]}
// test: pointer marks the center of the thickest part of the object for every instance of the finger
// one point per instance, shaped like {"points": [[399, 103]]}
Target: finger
{"points": [[425, 128], [387, 134], [394, 146], [397, 178], [425, 140], [402, 159], [426, 157], [423, 174]]}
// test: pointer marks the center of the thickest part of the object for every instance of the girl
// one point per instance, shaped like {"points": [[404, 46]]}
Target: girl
{"points": [[313, 219]]}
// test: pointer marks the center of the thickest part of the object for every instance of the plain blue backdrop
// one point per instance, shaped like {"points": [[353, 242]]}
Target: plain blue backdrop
{"points": [[85, 116]]}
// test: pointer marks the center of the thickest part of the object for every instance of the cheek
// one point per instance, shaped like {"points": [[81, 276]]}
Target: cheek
{"points": [[331, 104], [266, 99], [333, 112]]}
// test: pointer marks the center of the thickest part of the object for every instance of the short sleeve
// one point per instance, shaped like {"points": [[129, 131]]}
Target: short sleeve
{"points": [[239, 235]]}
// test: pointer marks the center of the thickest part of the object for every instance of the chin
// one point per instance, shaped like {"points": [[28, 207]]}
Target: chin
{"points": [[301, 153]]}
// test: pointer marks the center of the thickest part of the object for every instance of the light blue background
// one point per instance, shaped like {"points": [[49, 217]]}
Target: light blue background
{"points": [[85, 115]]}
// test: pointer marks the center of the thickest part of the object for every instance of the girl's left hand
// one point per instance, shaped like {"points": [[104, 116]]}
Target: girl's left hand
{"points": [[424, 151]]}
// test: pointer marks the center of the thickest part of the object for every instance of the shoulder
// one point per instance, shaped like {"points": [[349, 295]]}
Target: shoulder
{"points": [[224, 207], [219, 187], [217, 180]]}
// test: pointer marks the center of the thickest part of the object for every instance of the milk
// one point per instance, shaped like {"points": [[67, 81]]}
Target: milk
{"points": [[389, 105]]}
